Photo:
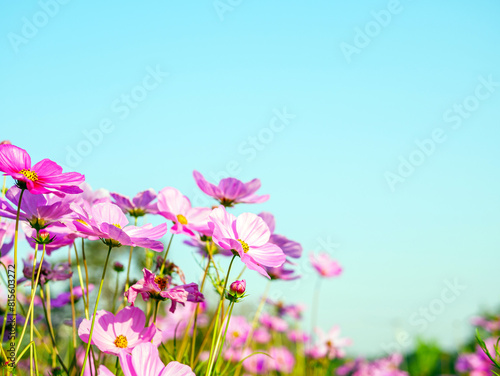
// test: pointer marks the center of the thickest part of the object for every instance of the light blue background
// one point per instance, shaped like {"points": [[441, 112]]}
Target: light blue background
{"points": [[326, 170]]}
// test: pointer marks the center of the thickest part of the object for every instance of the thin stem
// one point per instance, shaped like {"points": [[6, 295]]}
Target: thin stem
{"points": [[255, 320], [115, 296], [129, 262], [16, 233], [95, 311], [73, 311], [86, 273], [314, 311], [33, 290], [220, 344], [221, 303], [32, 301], [51, 332], [166, 254], [85, 293]]}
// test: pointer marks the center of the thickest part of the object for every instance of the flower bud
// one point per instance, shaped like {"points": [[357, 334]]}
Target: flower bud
{"points": [[238, 287], [118, 267], [43, 237], [237, 290], [5, 142]]}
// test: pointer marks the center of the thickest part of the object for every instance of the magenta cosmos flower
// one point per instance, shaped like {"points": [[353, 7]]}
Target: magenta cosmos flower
{"points": [[121, 332], [248, 235], [145, 361], [157, 287], [231, 191], [107, 222], [176, 207], [44, 177], [6, 231], [140, 205], [325, 265]]}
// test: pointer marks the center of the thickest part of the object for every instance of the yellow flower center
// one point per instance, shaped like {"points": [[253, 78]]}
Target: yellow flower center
{"points": [[82, 221], [31, 175], [117, 225], [121, 342], [182, 220], [244, 245], [161, 282]]}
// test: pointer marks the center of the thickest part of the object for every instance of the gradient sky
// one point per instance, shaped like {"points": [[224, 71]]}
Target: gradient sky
{"points": [[362, 83]]}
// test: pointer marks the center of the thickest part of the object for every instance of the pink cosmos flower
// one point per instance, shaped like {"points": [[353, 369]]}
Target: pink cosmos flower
{"points": [[231, 191], [330, 344], [38, 210], [289, 247], [145, 361], [107, 222], [176, 207], [258, 363], [274, 323], [158, 287], [173, 325], [44, 177], [140, 205], [283, 360], [261, 335], [298, 336], [6, 231], [93, 196], [248, 235], [237, 331], [325, 265], [121, 332]]}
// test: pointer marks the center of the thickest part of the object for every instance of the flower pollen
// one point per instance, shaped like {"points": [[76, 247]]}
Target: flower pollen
{"points": [[31, 175], [182, 220], [244, 245], [161, 282], [117, 225], [82, 222], [121, 342]]}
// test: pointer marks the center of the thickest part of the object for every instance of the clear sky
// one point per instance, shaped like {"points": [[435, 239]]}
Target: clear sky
{"points": [[373, 125]]}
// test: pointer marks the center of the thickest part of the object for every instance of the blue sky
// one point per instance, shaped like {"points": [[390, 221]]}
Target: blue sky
{"points": [[386, 156]]}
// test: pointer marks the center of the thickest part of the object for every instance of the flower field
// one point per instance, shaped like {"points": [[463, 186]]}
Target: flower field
{"points": [[70, 307]]}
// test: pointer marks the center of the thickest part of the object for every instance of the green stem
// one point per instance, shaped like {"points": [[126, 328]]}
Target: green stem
{"points": [[219, 345], [166, 254], [85, 293], [95, 311], [51, 332], [221, 303], [116, 292], [16, 233], [127, 282]]}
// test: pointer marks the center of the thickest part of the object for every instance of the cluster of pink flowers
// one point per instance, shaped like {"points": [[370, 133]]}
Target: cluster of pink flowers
{"points": [[56, 208]]}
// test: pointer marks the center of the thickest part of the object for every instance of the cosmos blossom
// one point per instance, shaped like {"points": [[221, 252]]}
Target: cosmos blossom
{"points": [[107, 222], [121, 332], [325, 265], [158, 287], [6, 231], [44, 177], [248, 235], [144, 360], [231, 191], [140, 205], [176, 207], [330, 344], [38, 210]]}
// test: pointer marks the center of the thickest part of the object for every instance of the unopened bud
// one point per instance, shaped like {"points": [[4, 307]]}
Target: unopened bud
{"points": [[237, 290], [5, 142], [118, 267]]}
